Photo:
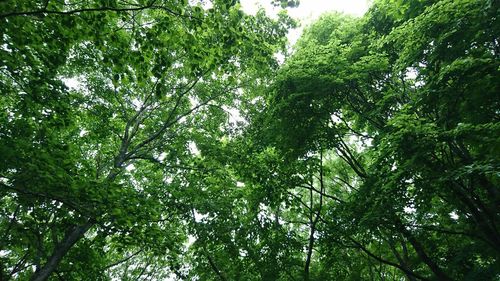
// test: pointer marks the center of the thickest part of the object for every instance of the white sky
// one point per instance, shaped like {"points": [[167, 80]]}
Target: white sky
{"points": [[308, 10]]}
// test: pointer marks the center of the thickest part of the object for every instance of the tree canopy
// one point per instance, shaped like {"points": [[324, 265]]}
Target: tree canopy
{"points": [[163, 140]]}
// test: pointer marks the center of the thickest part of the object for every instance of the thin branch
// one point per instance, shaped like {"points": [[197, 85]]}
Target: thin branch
{"points": [[300, 200], [344, 182], [372, 255], [44, 11], [74, 207], [308, 187], [169, 122], [122, 260], [11, 223], [349, 127], [18, 265]]}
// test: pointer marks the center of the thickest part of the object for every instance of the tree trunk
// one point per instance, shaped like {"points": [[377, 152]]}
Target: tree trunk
{"points": [[419, 249], [60, 251]]}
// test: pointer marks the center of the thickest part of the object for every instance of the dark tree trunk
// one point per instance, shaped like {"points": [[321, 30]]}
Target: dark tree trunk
{"points": [[60, 251]]}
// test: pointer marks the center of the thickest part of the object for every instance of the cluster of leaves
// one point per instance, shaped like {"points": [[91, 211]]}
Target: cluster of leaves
{"points": [[101, 104], [404, 103]]}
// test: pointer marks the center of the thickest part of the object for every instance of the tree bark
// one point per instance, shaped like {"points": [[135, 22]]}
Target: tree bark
{"points": [[398, 266], [316, 218], [61, 250], [419, 249]]}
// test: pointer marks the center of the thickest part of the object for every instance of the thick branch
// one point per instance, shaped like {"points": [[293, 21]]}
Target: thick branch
{"points": [[61, 250], [372, 255]]}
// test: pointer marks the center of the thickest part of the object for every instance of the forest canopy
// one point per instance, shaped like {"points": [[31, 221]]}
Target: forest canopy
{"points": [[164, 140]]}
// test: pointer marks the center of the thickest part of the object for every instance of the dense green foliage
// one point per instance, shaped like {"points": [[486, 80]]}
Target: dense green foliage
{"points": [[371, 153]]}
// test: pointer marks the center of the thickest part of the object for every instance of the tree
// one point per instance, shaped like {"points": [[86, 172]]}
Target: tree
{"points": [[91, 174], [407, 100]]}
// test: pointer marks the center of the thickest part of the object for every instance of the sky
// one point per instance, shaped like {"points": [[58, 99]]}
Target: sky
{"points": [[308, 10]]}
